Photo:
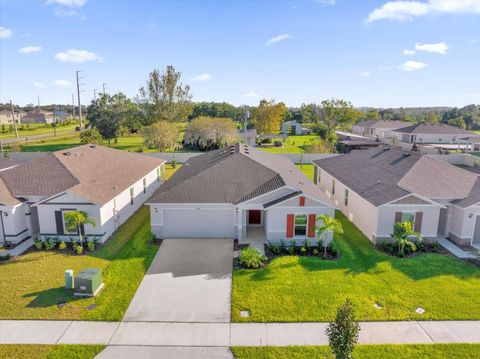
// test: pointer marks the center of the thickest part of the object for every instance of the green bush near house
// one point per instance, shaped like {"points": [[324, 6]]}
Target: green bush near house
{"points": [[294, 288]]}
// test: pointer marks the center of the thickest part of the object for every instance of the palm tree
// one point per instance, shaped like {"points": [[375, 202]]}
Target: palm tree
{"points": [[403, 232], [329, 224], [74, 220]]}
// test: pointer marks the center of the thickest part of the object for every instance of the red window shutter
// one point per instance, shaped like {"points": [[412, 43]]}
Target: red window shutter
{"points": [[290, 224], [312, 218], [302, 201], [418, 222]]}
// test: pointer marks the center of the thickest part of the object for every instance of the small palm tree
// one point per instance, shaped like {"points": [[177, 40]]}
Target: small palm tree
{"points": [[74, 220], [328, 224], [403, 233]]}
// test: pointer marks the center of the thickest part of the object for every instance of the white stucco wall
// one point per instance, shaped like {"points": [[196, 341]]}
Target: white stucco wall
{"points": [[16, 225], [431, 138], [462, 223]]}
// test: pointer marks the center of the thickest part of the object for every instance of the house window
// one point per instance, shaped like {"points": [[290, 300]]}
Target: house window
{"points": [[346, 197], [300, 225], [158, 174], [319, 177], [408, 217], [65, 229], [333, 186], [132, 195], [144, 185]]}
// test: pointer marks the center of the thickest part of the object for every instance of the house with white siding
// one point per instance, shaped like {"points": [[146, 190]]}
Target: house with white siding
{"points": [[441, 133], [378, 187], [108, 184], [242, 193], [380, 129]]}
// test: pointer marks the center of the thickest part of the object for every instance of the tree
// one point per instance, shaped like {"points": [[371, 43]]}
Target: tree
{"points": [[343, 333], [218, 109], [337, 115], [268, 116], [114, 115], [91, 136], [208, 133], [372, 115], [75, 220], [458, 122], [432, 118], [310, 113], [327, 224], [403, 233], [162, 135], [165, 98]]}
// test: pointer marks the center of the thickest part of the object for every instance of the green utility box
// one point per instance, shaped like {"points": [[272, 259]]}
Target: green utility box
{"points": [[88, 282]]}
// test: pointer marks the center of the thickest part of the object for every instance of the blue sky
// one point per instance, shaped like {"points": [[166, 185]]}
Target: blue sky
{"points": [[373, 53]]}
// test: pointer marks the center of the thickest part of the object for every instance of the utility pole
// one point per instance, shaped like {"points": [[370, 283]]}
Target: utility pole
{"points": [[104, 87], [14, 121], [73, 105], [94, 94], [245, 119], [54, 124], [78, 97]]}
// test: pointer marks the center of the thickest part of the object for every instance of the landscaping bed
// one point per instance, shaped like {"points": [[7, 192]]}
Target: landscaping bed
{"points": [[33, 284], [383, 287], [437, 351]]}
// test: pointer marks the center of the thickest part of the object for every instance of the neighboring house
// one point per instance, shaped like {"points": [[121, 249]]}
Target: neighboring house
{"points": [[250, 138], [292, 128], [238, 192], [348, 142], [425, 133], [378, 187], [38, 116], [378, 129], [6, 117], [110, 185], [61, 116]]}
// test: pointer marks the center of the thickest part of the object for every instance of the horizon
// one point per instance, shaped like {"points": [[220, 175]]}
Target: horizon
{"points": [[370, 53]]}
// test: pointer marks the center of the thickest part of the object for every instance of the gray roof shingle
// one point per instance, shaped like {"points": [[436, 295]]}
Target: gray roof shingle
{"points": [[436, 129]]}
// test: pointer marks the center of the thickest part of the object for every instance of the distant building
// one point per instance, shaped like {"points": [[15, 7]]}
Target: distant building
{"points": [[38, 116], [292, 128], [425, 133], [378, 129], [6, 117]]}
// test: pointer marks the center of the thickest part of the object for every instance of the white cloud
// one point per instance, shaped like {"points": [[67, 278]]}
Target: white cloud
{"points": [[77, 56], [69, 3], [202, 77], [251, 94], [30, 49], [412, 66], [275, 39], [62, 83], [365, 74], [39, 85], [409, 10], [5, 33], [64, 13], [438, 48], [408, 52]]}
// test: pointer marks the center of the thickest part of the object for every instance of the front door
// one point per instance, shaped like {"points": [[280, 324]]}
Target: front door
{"points": [[476, 231], [254, 216]]}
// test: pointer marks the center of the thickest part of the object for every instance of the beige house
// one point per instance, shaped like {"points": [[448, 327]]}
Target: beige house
{"points": [[38, 116], [377, 188], [6, 117], [378, 129]]}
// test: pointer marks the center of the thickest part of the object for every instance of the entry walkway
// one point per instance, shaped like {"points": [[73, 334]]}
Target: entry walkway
{"points": [[455, 250], [21, 248], [228, 334]]}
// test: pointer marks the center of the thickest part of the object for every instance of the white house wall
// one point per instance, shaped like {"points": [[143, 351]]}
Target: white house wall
{"points": [[15, 223], [462, 222]]}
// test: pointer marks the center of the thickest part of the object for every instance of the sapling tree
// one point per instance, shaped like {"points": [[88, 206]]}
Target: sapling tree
{"points": [[343, 332]]}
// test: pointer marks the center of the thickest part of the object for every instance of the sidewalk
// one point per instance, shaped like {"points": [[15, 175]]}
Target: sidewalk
{"points": [[228, 334]]}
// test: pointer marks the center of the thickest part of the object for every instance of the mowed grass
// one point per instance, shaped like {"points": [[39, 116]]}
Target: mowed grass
{"points": [[303, 289], [294, 144], [36, 129], [33, 284], [307, 170], [430, 351], [61, 351]]}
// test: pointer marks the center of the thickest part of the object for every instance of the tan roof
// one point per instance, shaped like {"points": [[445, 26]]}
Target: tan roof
{"points": [[103, 172], [6, 197]]}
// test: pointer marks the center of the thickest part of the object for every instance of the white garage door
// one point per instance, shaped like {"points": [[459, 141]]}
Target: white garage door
{"points": [[198, 223]]}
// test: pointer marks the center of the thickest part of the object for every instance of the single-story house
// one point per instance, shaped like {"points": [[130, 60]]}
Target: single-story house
{"points": [[6, 117], [239, 192], [348, 142], [426, 133], [292, 128], [378, 129], [38, 115], [109, 185], [378, 187]]}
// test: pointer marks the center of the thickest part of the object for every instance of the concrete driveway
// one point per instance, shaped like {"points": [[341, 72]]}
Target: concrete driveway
{"points": [[190, 280]]}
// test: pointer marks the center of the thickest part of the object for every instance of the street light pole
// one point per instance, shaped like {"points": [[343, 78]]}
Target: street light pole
{"points": [[79, 104], [14, 121]]}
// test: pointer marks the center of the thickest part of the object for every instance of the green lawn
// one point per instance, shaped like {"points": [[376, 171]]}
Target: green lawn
{"points": [[305, 289], [294, 144], [433, 351], [49, 351], [33, 284], [307, 170], [36, 129]]}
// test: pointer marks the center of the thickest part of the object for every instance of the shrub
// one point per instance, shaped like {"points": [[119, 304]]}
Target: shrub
{"points": [[282, 246], [315, 252], [251, 258], [320, 244], [5, 257], [306, 244], [49, 244], [303, 250], [343, 333], [78, 249], [291, 248], [91, 245], [62, 245], [334, 249], [274, 248], [38, 244]]}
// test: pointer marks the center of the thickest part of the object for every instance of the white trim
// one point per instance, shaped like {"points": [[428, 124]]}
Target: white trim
{"points": [[477, 217]]}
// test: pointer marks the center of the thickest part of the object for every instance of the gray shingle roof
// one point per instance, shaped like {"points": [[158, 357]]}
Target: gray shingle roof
{"points": [[473, 197], [232, 175], [383, 175], [436, 129]]}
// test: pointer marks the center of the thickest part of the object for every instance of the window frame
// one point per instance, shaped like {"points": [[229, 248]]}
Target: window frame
{"points": [[302, 227]]}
